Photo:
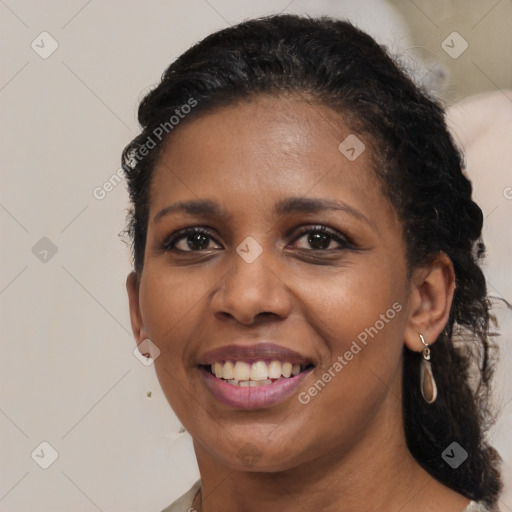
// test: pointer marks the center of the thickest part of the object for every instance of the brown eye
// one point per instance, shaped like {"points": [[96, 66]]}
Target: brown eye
{"points": [[195, 239], [320, 238]]}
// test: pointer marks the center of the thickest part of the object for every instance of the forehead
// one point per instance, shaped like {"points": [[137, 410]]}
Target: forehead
{"points": [[256, 152]]}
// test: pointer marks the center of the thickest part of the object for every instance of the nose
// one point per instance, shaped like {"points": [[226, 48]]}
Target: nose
{"points": [[250, 292]]}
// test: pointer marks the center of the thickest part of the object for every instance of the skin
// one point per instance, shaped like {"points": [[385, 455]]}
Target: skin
{"points": [[345, 450]]}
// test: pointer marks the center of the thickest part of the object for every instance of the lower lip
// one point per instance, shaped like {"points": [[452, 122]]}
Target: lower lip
{"points": [[257, 397]]}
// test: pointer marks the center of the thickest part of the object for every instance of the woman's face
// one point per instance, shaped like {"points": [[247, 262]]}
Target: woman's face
{"points": [[262, 282]]}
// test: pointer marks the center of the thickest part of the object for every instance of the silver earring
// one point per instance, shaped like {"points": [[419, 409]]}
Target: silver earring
{"points": [[427, 383]]}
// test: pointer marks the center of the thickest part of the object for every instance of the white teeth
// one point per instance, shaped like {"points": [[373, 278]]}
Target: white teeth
{"points": [[259, 373], [274, 369], [217, 369], [251, 383], [286, 369], [227, 371], [241, 371]]}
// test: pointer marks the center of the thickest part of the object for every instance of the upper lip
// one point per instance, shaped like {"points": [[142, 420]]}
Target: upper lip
{"points": [[255, 352]]}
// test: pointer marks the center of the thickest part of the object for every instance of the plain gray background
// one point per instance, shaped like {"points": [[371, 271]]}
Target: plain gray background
{"points": [[69, 376]]}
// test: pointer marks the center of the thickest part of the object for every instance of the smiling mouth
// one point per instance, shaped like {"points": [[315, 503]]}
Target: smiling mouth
{"points": [[255, 374]]}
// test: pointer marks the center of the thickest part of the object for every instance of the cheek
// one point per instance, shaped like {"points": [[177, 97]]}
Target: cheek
{"points": [[360, 315], [170, 303], [355, 301]]}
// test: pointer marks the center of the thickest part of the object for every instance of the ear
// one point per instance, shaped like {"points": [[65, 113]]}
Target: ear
{"points": [[132, 287], [432, 288]]}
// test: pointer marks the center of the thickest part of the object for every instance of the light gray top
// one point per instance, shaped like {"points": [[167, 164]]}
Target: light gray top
{"points": [[184, 504]]}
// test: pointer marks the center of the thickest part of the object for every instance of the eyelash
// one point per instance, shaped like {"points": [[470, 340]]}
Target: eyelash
{"points": [[344, 242]]}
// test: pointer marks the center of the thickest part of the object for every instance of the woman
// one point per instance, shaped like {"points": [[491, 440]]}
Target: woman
{"points": [[306, 263]]}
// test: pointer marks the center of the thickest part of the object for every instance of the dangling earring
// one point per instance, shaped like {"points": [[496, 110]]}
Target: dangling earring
{"points": [[427, 383]]}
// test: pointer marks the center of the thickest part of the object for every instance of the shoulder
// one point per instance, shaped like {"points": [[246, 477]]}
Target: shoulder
{"points": [[184, 503]]}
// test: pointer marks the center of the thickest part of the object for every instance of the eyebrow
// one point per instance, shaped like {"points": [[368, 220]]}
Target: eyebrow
{"points": [[207, 207]]}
